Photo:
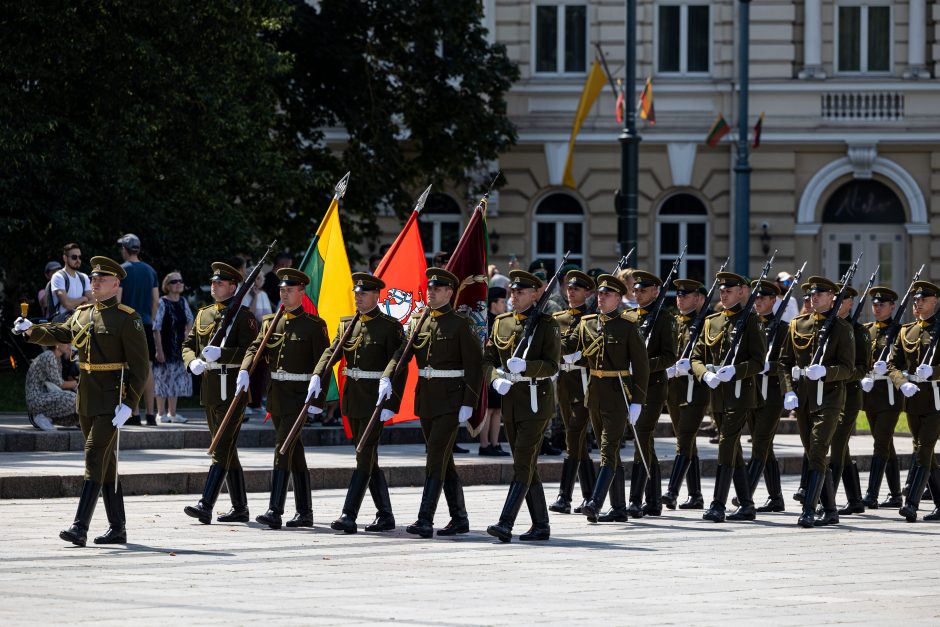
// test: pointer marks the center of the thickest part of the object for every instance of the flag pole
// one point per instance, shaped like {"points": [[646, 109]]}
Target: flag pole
{"points": [[339, 190]]}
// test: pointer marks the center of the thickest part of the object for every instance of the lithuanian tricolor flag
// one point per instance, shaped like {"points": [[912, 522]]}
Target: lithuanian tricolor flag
{"points": [[718, 130], [645, 105]]}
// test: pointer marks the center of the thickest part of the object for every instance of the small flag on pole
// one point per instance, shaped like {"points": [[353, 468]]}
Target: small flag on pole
{"points": [[719, 129], [757, 129], [646, 103], [621, 101]]}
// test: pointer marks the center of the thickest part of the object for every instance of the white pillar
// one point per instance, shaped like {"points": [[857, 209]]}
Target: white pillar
{"points": [[916, 40], [812, 40]]}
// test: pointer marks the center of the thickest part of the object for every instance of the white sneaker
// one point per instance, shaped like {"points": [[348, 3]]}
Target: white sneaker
{"points": [[163, 419], [43, 422], [179, 419], [249, 411]]}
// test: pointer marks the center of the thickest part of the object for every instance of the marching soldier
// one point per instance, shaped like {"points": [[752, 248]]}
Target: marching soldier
{"points": [[662, 352], [291, 354], [374, 340], [220, 365], [882, 405], [733, 394], [915, 371], [610, 342], [113, 357], [687, 401], [817, 415], [572, 386], [525, 382], [449, 359]]}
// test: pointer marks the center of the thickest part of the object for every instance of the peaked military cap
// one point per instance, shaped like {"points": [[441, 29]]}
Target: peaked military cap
{"points": [[765, 288], [816, 284], [730, 279], [642, 278], [576, 278], [922, 289], [850, 292], [291, 276], [610, 283], [223, 272], [881, 294], [104, 266], [365, 282], [688, 286], [538, 264], [522, 279], [439, 276]]}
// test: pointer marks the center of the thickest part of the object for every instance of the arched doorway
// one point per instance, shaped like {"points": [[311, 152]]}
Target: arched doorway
{"points": [[559, 224]]}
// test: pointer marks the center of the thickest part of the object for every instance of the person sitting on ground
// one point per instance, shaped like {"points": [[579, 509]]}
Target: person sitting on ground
{"points": [[50, 400]]}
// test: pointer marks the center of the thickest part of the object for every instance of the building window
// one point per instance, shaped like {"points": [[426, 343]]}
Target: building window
{"points": [[864, 38], [683, 41], [559, 227], [683, 221], [440, 225], [560, 38]]}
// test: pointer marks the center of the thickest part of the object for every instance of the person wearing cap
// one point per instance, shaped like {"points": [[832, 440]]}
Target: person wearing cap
{"points": [[572, 385], [450, 375], [112, 355], [660, 337], [817, 392], [733, 395], [610, 342], [374, 339], [44, 295], [784, 281], [915, 371], [291, 353], [882, 406], [686, 401], [219, 367], [524, 380]]}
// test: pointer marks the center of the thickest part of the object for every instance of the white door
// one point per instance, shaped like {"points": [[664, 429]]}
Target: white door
{"points": [[882, 249]]}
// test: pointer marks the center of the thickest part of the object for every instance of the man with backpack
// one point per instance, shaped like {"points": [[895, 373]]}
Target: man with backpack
{"points": [[68, 288]]}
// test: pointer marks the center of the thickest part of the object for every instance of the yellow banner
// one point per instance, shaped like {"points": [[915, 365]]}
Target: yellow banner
{"points": [[592, 89]]}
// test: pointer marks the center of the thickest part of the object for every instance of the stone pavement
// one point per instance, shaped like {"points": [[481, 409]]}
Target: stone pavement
{"points": [[673, 570]]}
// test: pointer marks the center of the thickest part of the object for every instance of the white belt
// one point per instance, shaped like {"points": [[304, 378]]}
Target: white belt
{"points": [[797, 373], [565, 367], [879, 377], [434, 373], [512, 377], [214, 365], [223, 376], [356, 374], [913, 378], [283, 375]]}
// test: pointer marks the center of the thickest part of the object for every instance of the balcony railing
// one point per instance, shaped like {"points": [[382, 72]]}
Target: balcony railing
{"points": [[861, 106]]}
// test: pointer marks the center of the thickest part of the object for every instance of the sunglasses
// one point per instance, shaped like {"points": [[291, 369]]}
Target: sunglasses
{"points": [[174, 281], [75, 257]]}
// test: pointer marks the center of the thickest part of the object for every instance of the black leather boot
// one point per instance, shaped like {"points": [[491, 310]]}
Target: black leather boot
{"points": [[303, 501], [814, 485], [503, 529], [210, 493], [453, 493], [654, 491], [910, 475], [774, 501], [716, 511], [78, 533], [694, 482], [638, 480], [800, 494], [893, 479], [853, 490], [618, 499], [916, 491], [239, 496], [875, 475], [742, 486], [562, 504], [827, 500], [755, 470], [540, 529], [424, 526], [384, 519], [114, 507], [680, 467], [587, 477], [593, 507], [933, 482], [272, 517], [358, 485]]}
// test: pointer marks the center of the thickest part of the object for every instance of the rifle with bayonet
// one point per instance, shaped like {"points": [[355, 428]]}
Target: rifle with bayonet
{"points": [[696, 327], [646, 329], [863, 296], [895, 325], [775, 323], [232, 310]]}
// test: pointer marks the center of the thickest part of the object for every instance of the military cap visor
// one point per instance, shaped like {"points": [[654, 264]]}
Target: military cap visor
{"points": [[643, 279], [730, 279], [522, 280], [610, 283], [291, 276], [880, 294], [765, 288], [440, 278], [576, 278], [924, 289], [818, 284], [684, 287], [224, 272], [365, 282], [103, 266]]}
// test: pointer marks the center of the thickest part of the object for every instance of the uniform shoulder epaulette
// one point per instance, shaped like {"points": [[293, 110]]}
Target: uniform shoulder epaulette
{"points": [[126, 309], [559, 314], [267, 317], [209, 306], [504, 315], [712, 315], [908, 324], [801, 316], [417, 312], [631, 316], [84, 306], [346, 318], [461, 315], [388, 318]]}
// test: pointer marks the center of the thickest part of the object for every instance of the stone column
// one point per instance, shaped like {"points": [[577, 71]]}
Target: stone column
{"points": [[812, 40], [916, 40]]}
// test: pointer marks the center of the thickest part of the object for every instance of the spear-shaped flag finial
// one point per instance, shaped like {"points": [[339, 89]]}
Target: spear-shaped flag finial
{"points": [[340, 189], [423, 199]]}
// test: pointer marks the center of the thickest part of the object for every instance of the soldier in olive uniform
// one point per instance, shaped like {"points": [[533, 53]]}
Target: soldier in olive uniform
{"points": [[687, 401], [219, 367], [291, 353], [572, 386], [882, 404], [525, 383], [802, 382], [113, 358], [450, 375], [915, 371], [372, 343], [610, 342], [660, 337], [733, 389]]}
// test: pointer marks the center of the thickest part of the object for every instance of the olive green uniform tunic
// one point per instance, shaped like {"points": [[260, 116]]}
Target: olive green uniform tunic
{"points": [[764, 420], [853, 398], [882, 414], [686, 415], [572, 387], [662, 352]]}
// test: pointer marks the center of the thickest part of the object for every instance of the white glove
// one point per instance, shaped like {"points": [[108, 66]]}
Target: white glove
{"points": [[385, 390], [867, 384], [313, 410], [387, 414], [711, 380], [791, 401], [924, 371], [502, 386], [242, 381], [516, 365], [634, 415], [121, 413], [766, 368], [725, 373], [212, 353], [571, 358], [671, 372], [21, 324], [197, 366], [880, 367], [464, 415], [313, 388], [815, 372], [683, 366], [909, 389]]}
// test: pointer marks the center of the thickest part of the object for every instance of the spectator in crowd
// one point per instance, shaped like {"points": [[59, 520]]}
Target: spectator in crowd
{"points": [[140, 290], [257, 301], [170, 327], [374, 261], [50, 400], [784, 281], [497, 279], [626, 275], [271, 282], [44, 296], [69, 287], [489, 430]]}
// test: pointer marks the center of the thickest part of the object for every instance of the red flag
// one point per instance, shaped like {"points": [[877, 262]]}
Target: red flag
{"points": [[757, 130], [621, 101]]}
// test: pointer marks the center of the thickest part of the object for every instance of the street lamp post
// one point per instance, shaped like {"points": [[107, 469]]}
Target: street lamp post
{"points": [[742, 168], [626, 204]]}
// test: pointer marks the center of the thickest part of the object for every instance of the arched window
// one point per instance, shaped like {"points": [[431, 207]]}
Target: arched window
{"points": [[559, 227], [440, 225], [683, 221]]}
